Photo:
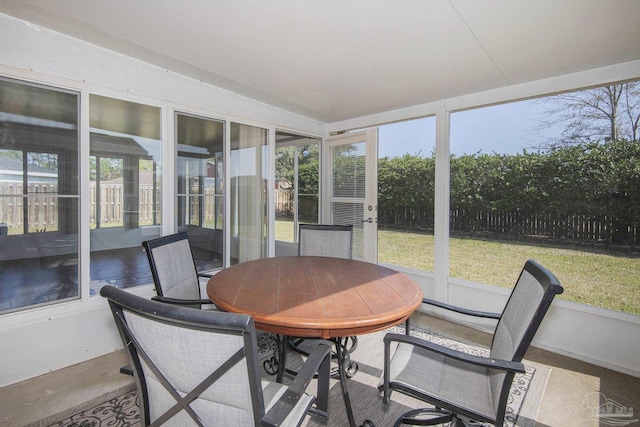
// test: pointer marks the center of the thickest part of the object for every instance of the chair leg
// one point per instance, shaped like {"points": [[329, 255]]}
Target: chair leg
{"points": [[351, 368], [425, 417], [293, 345], [126, 370]]}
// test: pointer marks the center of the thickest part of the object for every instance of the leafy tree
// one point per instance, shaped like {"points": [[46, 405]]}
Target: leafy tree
{"points": [[284, 165], [14, 154], [308, 168], [110, 168], [43, 160], [308, 177], [308, 161]]}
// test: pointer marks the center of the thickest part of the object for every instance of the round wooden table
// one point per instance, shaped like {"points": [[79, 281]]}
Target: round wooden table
{"points": [[316, 296], [306, 296]]}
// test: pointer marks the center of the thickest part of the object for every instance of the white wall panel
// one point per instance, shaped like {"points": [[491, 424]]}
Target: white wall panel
{"points": [[55, 343]]}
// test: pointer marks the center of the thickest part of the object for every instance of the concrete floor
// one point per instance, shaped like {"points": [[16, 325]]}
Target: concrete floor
{"points": [[569, 384]]}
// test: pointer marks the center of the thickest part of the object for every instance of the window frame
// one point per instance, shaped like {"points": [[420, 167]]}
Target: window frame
{"points": [[65, 199], [307, 140]]}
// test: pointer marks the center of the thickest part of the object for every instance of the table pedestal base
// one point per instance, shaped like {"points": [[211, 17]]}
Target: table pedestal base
{"points": [[346, 368], [342, 354]]}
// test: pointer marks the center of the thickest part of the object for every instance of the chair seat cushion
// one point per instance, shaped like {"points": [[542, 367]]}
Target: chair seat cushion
{"points": [[272, 391], [434, 376]]}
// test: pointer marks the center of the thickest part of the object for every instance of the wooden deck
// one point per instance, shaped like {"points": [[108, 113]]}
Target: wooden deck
{"points": [[39, 281]]}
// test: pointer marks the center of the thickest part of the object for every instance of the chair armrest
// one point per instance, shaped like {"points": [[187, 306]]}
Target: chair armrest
{"points": [[318, 361], [207, 275], [461, 309], [177, 301], [487, 362]]}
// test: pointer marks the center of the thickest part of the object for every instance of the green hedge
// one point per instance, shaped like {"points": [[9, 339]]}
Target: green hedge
{"points": [[590, 191]]}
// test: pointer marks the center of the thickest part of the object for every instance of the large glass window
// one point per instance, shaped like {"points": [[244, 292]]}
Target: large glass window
{"points": [[38, 195], [248, 169], [297, 184], [406, 173], [125, 165], [200, 184], [557, 180]]}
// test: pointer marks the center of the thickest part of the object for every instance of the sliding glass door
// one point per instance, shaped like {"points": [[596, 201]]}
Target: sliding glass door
{"points": [[200, 179], [125, 166], [297, 184], [248, 193]]}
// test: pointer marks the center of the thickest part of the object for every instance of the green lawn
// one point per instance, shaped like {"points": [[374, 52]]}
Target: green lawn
{"points": [[284, 229], [596, 277], [605, 279]]}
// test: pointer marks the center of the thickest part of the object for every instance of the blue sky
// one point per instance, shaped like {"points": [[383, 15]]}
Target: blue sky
{"points": [[507, 128]]}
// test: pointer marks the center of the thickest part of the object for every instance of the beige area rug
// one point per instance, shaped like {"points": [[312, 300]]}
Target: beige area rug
{"points": [[119, 408]]}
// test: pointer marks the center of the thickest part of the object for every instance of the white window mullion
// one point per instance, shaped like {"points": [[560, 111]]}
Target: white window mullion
{"points": [[85, 198], [168, 171], [441, 214]]}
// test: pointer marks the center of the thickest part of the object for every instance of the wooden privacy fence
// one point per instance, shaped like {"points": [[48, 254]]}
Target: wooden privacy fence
{"points": [[111, 204], [210, 203], [307, 205], [284, 203], [406, 217], [590, 228], [42, 208], [42, 205], [572, 227]]}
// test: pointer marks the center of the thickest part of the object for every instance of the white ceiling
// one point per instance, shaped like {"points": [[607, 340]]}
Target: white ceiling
{"points": [[338, 59]]}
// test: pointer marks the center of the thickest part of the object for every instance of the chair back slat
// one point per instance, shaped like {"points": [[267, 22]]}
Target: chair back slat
{"points": [[172, 267], [325, 240]]}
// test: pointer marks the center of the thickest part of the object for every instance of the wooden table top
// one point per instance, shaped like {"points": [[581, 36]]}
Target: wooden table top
{"points": [[316, 296]]}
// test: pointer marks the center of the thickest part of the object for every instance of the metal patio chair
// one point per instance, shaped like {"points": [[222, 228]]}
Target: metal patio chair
{"points": [[174, 272], [465, 387], [200, 367]]}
